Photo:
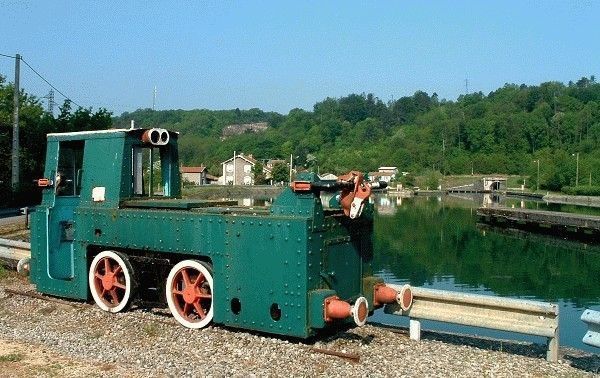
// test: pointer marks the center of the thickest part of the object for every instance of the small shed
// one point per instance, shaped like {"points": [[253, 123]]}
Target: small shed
{"points": [[490, 184], [196, 175]]}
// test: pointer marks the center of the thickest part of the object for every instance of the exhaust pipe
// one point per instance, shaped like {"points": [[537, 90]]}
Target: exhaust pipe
{"points": [[335, 308], [156, 137]]}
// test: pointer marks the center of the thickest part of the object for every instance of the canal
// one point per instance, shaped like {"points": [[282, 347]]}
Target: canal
{"points": [[436, 242]]}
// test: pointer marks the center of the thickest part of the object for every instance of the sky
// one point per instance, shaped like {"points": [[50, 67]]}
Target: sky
{"points": [[280, 55]]}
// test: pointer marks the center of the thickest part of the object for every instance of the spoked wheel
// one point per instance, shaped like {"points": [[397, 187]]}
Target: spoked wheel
{"points": [[111, 281], [190, 293]]}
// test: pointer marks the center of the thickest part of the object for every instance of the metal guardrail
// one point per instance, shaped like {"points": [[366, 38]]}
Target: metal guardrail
{"points": [[13, 251], [505, 314], [592, 319]]}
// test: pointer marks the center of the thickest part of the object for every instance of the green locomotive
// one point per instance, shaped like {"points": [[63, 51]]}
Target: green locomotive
{"points": [[112, 227]]}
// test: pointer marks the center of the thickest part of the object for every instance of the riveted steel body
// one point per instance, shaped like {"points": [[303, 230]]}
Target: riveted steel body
{"points": [[289, 257]]}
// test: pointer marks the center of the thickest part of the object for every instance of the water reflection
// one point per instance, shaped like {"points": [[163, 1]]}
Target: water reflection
{"points": [[435, 242], [386, 204], [252, 202]]}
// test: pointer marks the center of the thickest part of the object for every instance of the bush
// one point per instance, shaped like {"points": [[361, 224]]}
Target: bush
{"points": [[582, 190]]}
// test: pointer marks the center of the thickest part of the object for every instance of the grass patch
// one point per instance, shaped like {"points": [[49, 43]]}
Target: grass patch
{"points": [[53, 370], [97, 334], [47, 310], [151, 330], [12, 357], [3, 272]]}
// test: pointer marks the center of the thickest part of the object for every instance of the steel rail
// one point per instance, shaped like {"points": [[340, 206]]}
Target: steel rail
{"points": [[592, 319]]}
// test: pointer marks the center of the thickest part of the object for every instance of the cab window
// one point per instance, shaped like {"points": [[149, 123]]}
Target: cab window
{"points": [[69, 170], [148, 178]]}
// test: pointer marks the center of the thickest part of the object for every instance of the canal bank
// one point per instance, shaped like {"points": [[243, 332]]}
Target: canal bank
{"points": [[572, 200], [145, 342]]}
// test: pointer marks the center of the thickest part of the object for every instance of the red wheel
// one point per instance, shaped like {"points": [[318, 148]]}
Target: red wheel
{"points": [[189, 293], [110, 281]]}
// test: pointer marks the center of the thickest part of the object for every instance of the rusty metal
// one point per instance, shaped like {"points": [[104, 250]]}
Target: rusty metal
{"points": [[383, 295], [353, 200], [349, 356], [156, 137]]}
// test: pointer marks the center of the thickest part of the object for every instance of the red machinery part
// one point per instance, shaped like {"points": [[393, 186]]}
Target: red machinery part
{"points": [[383, 294], [405, 298], [335, 308], [44, 182], [353, 201]]}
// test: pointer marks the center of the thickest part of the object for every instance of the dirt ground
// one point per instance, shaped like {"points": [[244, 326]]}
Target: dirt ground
{"points": [[31, 360]]}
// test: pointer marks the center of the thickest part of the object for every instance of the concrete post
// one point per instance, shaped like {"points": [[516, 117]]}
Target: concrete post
{"points": [[415, 329]]}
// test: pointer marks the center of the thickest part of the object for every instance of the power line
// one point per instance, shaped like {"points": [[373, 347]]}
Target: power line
{"points": [[47, 82], [8, 56]]}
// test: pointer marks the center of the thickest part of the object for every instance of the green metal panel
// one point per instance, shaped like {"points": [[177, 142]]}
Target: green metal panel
{"points": [[265, 268]]}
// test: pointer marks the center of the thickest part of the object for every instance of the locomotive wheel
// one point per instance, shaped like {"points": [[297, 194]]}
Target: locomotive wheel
{"points": [[189, 291], [111, 282]]}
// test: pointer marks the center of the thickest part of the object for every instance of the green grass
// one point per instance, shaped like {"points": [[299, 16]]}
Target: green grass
{"points": [[11, 357], [3, 272], [151, 330]]}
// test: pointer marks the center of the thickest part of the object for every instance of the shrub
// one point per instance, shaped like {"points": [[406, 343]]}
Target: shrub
{"points": [[582, 190]]}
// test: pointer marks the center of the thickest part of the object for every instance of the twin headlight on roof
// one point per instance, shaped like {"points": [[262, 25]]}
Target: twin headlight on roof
{"points": [[156, 137]]}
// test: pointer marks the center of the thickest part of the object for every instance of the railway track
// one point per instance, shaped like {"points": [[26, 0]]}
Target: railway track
{"points": [[353, 357]]}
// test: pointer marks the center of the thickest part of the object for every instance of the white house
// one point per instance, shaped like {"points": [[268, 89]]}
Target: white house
{"points": [[238, 171], [386, 174]]}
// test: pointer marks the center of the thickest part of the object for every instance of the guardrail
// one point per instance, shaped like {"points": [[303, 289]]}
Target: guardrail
{"points": [[16, 253], [505, 314], [592, 319]]}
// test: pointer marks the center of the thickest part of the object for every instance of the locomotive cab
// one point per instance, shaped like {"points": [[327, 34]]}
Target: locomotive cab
{"points": [[95, 170]]}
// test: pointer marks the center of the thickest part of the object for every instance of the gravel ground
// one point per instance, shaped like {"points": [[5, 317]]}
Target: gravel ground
{"points": [[80, 340]]}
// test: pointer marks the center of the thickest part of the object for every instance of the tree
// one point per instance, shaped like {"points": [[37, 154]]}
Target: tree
{"points": [[280, 172], [259, 174]]}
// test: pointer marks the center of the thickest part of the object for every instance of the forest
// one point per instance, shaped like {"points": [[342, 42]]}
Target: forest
{"points": [[511, 130], [34, 123], [507, 131]]}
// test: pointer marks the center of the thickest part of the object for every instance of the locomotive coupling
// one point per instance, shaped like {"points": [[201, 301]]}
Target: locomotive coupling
{"points": [[156, 137], [335, 308], [383, 294]]}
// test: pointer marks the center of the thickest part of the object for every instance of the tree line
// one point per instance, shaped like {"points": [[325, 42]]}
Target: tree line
{"points": [[506, 131]]}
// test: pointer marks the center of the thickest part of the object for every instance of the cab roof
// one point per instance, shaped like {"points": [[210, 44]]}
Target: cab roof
{"points": [[99, 134]]}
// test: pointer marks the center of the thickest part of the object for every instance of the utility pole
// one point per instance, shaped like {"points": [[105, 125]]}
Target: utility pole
{"points": [[538, 174], [154, 99], [50, 97], [15, 141], [577, 172], [466, 86], [291, 165]]}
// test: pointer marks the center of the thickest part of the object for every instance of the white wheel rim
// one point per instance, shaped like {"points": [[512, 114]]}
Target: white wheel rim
{"points": [[173, 281], [94, 285], [356, 313]]}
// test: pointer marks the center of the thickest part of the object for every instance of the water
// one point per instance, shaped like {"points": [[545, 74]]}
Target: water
{"points": [[435, 242]]}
